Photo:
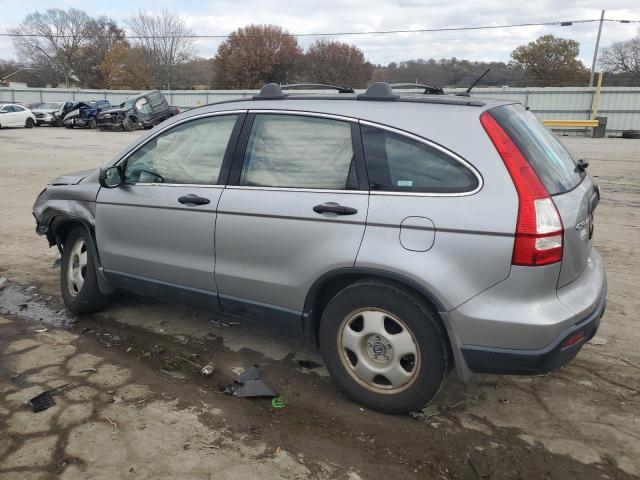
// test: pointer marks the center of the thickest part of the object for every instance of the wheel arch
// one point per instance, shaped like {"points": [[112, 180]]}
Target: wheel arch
{"points": [[59, 230], [330, 283]]}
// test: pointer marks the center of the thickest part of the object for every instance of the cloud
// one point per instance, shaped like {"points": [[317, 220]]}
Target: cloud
{"points": [[219, 17]]}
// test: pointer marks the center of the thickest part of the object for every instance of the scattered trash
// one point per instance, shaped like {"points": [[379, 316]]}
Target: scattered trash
{"points": [[23, 306], [41, 330], [41, 402], [248, 384], [219, 324], [504, 401], [92, 370], [427, 412], [3, 281], [44, 400], [308, 364], [598, 341], [278, 402], [115, 425], [207, 370]]}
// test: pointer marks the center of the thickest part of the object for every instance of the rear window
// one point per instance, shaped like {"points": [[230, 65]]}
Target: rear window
{"points": [[552, 162]]}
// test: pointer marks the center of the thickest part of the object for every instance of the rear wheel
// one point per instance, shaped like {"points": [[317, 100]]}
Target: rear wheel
{"points": [[384, 346], [78, 280]]}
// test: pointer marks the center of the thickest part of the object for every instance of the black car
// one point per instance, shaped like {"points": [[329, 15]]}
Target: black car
{"points": [[142, 111], [83, 114]]}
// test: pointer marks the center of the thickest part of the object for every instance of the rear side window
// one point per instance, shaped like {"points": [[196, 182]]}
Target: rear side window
{"points": [[400, 164], [299, 152], [552, 162]]}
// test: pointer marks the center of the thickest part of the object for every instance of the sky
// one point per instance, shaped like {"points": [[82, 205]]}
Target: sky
{"points": [[219, 17]]}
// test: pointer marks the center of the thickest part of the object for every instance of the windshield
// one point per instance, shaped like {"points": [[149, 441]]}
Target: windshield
{"points": [[50, 106], [127, 105], [552, 162]]}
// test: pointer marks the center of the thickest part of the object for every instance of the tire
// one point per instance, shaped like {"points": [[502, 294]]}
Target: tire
{"points": [[390, 320], [78, 282], [128, 125], [57, 122], [68, 126], [92, 124], [631, 134], [29, 123]]}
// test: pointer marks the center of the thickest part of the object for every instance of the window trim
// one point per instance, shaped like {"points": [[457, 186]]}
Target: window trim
{"points": [[233, 180], [454, 156], [231, 146]]}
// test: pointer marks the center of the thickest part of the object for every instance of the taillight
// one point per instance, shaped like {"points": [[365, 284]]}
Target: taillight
{"points": [[539, 230]]}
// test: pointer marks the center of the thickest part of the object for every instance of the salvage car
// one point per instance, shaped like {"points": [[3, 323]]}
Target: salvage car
{"points": [[405, 234], [142, 111], [52, 113], [13, 115], [83, 114]]}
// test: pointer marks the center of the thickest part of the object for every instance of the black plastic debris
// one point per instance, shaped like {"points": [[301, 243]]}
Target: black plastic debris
{"points": [[248, 384], [308, 364], [41, 402], [45, 399]]}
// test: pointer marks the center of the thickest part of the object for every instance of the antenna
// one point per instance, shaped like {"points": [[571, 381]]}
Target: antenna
{"points": [[467, 92]]}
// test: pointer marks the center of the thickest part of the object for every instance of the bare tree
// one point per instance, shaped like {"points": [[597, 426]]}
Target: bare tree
{"points": [[622, 57], [52, 42], [166, 41], [256, 54]]}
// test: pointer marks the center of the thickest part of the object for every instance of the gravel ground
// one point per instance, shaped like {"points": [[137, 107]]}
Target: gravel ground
{"points": [[136, 408]]}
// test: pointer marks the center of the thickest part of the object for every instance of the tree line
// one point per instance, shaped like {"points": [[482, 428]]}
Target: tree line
{"points": [[69, 47]]}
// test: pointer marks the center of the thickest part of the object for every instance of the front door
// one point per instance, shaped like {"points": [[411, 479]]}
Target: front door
{"points": [[157, 229], [292, 211]]}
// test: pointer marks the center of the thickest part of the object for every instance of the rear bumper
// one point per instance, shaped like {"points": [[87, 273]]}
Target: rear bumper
{"points": [[552, 357]]}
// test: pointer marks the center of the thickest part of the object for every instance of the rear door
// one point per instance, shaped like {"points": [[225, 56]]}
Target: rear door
{"points": [[159, 226], [571, 189], [292, 211]]}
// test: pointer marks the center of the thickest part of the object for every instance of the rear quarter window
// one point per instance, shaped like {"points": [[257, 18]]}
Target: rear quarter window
{"points": [[398, 163], [549, 158]]}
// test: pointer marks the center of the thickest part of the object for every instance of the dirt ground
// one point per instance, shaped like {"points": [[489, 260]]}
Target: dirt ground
{"points": [[137, 407]]}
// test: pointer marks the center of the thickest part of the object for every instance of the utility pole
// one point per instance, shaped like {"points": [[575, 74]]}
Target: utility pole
{"points": [[595, 52]]}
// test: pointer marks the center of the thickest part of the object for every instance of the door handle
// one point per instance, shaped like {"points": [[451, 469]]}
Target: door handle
{"points": [[334, 208], [193, 199]]}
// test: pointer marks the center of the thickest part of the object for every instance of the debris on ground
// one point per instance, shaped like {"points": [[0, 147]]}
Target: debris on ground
{"points": [[56, 264], [278, 403], [427, 412], [207, 370], [308, 364], [41, 330], [92, 370], [45, 399], [248, 384], [23, 306], [3, 281]]}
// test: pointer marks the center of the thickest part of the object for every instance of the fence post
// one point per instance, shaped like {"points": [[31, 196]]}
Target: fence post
{"points": [[526, 98]]}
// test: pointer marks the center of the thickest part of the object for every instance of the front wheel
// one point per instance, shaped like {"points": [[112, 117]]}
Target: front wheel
{"points": [[384, 346], [128, 125], [29, 123], [78, 280]]}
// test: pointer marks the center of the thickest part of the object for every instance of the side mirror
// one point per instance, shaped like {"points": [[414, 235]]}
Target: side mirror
{"points": [[110, 177]]}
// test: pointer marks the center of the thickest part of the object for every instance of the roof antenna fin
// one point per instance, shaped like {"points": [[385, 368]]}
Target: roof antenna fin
{"points": [[467, 92]]}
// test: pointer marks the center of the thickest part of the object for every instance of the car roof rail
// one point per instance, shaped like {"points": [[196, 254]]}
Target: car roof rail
{"points": [[428, 89], [270, 91], [379, 91], [323, 86]]}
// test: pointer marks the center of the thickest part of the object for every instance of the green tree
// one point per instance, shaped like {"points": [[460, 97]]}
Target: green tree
{"points": [[551, 61]]}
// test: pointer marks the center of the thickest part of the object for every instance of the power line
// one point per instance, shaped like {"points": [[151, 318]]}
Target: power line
{"points": [[564, 23]]}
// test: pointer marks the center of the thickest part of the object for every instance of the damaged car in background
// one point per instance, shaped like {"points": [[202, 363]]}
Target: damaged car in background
{"points": [[52, 113], [83, 114], [142, 111]]}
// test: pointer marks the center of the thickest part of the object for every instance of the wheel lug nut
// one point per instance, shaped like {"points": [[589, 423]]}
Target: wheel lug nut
{"points": [[377, 337], [369, 345]]}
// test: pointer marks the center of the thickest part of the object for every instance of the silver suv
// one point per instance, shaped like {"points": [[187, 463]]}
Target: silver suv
{"points": [[405, 234]]}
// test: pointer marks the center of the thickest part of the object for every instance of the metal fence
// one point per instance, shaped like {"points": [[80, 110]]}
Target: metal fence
{"points": [[621, 105]]}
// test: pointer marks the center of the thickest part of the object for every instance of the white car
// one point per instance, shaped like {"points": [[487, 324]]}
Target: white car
{"points": [[12, 115]]}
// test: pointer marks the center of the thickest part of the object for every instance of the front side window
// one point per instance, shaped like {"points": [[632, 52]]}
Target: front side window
{"points": [[191, 152], [296, 151], [143, 106], [400, 164]]}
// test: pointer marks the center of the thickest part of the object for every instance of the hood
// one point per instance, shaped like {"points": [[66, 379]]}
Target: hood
{"points": [[45, 110], [72, 178], [111, 111]]}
